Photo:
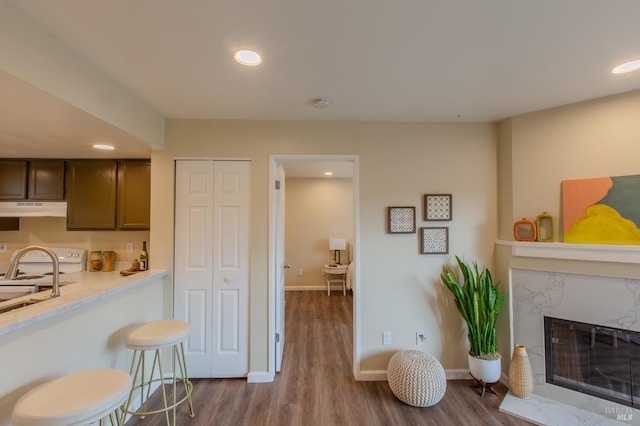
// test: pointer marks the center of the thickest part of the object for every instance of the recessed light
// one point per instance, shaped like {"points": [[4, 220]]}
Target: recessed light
{"points": [[328, 173], [103, 147], [627, 67], [248, 57]]}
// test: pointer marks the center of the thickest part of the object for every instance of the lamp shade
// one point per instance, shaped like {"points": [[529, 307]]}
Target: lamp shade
{"points": [[337, 243]]}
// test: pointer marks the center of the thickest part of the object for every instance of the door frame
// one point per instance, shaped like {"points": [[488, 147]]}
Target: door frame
{"points": [[274, 161]]}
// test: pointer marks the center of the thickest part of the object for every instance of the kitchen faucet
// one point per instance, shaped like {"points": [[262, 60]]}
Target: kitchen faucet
{"points": [[12, 272]]}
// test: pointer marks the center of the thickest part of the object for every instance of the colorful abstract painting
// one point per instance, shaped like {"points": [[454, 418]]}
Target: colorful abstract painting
{"points": [[602, 210]]}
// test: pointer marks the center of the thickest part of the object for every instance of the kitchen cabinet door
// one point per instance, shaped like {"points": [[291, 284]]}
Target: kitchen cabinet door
{"points": [[13, 179], [91, 194], [46, 180], [134, 194]]}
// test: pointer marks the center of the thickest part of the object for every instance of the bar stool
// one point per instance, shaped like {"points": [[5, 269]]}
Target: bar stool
{"points": [[154, 336], [74, 400]]}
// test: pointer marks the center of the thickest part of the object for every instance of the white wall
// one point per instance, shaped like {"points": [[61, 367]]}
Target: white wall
{"points": [[588, 139], [537, 151], [315, 210], [399, 162]]}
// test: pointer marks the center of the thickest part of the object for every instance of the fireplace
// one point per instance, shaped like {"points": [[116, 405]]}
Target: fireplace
{"points": [[593, 359], [613, 304]]}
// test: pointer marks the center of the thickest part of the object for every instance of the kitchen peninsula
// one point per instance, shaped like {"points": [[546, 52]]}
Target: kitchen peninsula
{"points": [[82, 329]]}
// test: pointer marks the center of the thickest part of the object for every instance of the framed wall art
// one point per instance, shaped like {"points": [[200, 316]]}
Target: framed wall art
{"points": [[437, 206], [434, 240], [401, 220]]}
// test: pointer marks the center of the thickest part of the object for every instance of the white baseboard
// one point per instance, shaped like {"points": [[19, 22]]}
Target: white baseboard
{"points": [[260, 377], [312, 288], [372, 376], [457, 374], [381, 375], [306, 288]]}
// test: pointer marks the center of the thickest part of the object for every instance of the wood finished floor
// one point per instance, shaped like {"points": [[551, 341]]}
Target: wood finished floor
{"points": [[316, 386]]}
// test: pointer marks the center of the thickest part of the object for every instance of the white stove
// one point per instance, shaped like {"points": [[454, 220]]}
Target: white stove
{"points": [[36, 264], [35, 269]]}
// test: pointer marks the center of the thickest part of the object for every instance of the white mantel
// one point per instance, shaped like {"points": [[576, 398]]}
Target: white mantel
{"points": [[589, 252]]}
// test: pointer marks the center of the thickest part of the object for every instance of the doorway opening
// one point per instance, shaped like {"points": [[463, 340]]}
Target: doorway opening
{"points": [[298, 166]]}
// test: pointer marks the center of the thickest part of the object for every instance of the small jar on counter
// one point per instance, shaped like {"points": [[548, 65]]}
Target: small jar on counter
{"points": [[95, 261], [109, 260]]}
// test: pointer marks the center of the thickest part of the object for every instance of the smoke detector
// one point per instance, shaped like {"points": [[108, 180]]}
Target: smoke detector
{"points": [[321, 102]]}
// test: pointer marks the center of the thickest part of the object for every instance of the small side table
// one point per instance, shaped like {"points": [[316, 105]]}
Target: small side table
{"points": [[337, 274]]}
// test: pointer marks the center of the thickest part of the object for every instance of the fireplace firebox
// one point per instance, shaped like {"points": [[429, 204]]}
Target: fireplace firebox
{"points": [[593, 359]]}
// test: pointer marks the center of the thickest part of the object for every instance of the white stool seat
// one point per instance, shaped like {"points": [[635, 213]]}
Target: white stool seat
{"points": [[158, 334], [76, 399]]}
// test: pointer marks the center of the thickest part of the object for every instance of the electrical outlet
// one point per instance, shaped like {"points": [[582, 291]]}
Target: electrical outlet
{"points": [[386, 337], [300, 271], [129, 247], [3, 247], [421, 338]]}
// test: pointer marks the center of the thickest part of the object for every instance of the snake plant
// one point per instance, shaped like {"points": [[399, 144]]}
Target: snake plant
{"points": [[479, 301]]}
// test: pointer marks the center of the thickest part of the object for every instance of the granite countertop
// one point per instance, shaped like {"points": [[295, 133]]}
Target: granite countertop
{"points": [[82, 288]]}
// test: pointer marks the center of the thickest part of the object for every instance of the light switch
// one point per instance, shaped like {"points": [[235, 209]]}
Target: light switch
{"points": [[386, 337]]}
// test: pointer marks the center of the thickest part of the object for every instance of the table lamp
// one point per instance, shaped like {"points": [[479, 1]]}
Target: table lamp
{"points": [[337, 244]]}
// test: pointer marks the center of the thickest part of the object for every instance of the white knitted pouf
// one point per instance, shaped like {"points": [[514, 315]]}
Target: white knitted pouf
{"points": [[416, 378]]}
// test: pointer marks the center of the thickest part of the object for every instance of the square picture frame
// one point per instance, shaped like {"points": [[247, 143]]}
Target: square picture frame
{"points": [[401, 220], [438, 207], [434, 240]]}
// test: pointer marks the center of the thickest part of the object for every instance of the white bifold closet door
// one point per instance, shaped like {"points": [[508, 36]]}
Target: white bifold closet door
{"points": [[211, 271]]}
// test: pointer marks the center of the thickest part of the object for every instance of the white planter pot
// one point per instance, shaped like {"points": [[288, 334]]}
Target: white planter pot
{"points": [[486, 370]]}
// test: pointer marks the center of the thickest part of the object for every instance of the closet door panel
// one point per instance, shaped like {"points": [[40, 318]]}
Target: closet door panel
{"points": [[229, 238], [229, 313], [231, 268], [195, 314], [193, 248]]}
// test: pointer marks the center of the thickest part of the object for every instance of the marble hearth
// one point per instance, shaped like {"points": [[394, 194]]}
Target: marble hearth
{"points": [[608, 301]]}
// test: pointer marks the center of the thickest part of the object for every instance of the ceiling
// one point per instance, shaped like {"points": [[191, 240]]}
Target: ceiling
{"points": [[34, 123], [402, 60], [317, 169]]}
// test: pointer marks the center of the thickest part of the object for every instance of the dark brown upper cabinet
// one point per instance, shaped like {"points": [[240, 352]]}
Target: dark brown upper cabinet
{"points": [[46, 180], [91, 194], [32, 180], [134, 194], [13, 179], [108, 194]]}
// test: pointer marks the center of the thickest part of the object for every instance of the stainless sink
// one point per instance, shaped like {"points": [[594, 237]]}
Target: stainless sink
{"points": [[29, 277], [11, 290], [18, 305]]}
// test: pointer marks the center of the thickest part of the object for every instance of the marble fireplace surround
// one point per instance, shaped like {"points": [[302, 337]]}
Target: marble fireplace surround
{"points": [[608, 301]]}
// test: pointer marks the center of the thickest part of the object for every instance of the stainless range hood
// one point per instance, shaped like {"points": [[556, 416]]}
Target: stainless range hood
{"points": [[33, 209]]}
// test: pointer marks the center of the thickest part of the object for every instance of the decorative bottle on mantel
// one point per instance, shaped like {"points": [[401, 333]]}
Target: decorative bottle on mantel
{"points": [[144, 257]]}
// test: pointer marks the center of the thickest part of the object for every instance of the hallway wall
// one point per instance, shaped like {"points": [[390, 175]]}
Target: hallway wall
{"points": [[315, 210]]}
